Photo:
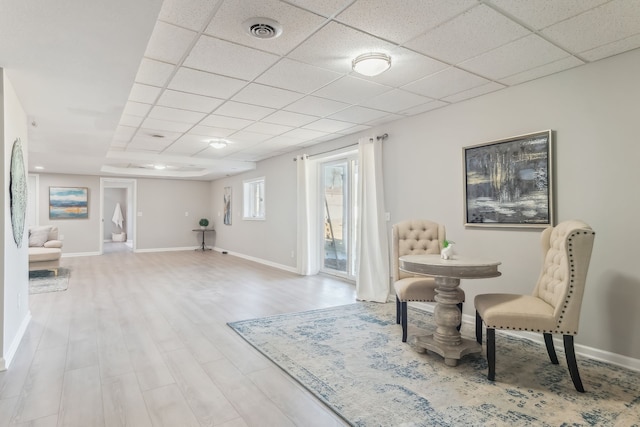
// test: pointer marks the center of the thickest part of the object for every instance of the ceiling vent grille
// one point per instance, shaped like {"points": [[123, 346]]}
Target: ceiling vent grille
{"points": [[262, 28]]}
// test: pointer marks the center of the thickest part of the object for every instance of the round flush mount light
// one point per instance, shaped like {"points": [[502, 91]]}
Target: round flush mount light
{"points": [[218, 143], [160, 167], [371, 64], [262, 28]]}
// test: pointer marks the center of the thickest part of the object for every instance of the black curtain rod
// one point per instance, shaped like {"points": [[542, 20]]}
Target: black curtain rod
{"points": [[379, 138]]}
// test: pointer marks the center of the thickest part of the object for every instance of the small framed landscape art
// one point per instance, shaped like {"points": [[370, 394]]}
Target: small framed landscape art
{"points": [[509, 182], [68, 203]]}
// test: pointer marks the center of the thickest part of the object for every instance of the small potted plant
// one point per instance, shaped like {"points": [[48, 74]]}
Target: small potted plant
{"points": [[447, 249], [204, 222]]}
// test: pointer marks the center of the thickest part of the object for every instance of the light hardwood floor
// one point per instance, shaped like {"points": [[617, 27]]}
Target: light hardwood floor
{"points": [[141, 340]]}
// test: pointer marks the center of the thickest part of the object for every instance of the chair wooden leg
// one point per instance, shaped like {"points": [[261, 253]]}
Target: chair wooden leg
{"points": [[478, 328], [551, 350], [571, 361], [403, 304], [491, 353], [398, 317], [460, 324]]}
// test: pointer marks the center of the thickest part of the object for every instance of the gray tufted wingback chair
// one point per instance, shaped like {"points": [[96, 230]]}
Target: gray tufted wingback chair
{"points": [[414, 237], [554, 306]]}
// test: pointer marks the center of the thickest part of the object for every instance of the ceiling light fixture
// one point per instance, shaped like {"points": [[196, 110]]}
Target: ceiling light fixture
{"points": [[160, 167], [218, 143], [371, 64]]}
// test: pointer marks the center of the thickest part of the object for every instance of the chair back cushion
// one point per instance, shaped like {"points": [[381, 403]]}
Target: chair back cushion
{"points": [[567, 251], [415, 237]]}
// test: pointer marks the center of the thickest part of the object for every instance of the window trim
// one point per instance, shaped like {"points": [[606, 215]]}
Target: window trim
{"points": [[248, 190]]}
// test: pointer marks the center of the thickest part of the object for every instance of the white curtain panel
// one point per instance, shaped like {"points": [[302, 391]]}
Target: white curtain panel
{"points": [[307, 244], [372, 270]]}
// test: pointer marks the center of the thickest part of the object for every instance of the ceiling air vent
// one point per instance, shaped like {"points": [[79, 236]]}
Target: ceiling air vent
{"points": [[262, 28]]}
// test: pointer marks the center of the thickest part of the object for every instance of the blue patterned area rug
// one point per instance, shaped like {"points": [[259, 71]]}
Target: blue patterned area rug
{"points": [[42, 281], [353, 359]]}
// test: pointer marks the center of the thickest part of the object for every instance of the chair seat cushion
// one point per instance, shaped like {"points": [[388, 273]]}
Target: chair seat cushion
{"points": [[518, 312], [418, 289]]}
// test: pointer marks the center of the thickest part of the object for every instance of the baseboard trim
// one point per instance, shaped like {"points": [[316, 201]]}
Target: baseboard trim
{"points": [[186, 248], [258, 260], [5, 361], [582, 350]]}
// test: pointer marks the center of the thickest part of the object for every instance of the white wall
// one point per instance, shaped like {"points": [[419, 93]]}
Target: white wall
{"points": [[593, 111], [14, 298]]}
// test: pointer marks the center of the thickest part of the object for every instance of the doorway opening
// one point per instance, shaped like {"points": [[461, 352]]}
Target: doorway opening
{"points": [[118, 222]]}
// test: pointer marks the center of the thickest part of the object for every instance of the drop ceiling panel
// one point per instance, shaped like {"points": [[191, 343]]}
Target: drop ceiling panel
{"points": [[186, 147], [165, 125], [297, 24], [610, 22], [305, 134], [144, 93], [396, 100], [221, 57], [611, 49], [226, 122], [133, 121], [207, 84], [153, 72], [189, 101], [289, 118], [328, 125], [336, 45], [313, 105], [544, 70], [297, 76], [516, 57], [124, 133], [445, 83], [136, 109], [169, 43], [193, 14], [209, 131], [429, 106], [401, 22], [354, 129], [244, 138], [351, 90], [358, 115], [243, 111], [474, 32], [539, 14], [268, 128], [174, 114], [476, 91], [325, 7], [266, 96]]}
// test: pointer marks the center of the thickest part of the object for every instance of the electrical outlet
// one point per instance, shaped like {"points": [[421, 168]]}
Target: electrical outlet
{"points": [[387, 216], [186, 214], [139, 213]]}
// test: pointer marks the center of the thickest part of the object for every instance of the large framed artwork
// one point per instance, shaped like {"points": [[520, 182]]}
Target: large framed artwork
{"points": [[68, 203], [509, 182]]}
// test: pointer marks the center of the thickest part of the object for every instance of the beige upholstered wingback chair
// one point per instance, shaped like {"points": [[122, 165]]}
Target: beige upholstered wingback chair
{"points": [[414, 237], [554, 306]]}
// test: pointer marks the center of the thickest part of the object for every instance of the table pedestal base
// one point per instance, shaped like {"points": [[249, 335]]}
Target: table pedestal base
{"points": [[451, 353]]}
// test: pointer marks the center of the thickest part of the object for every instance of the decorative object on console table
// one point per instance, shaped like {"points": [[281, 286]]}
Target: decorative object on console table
{"points": [[204, 222], [509, 183]]}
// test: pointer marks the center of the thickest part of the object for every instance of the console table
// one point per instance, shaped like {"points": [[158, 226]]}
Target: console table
{"points": [[447, 340], [203, 231]]}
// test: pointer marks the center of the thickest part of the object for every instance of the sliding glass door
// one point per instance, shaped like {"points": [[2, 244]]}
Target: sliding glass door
{"points": [[338, 204]]}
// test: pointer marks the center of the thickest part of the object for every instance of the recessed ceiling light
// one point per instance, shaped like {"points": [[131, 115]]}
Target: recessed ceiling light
{"points": [[160, 167], [38, 168], [371, 64], [218, 143]]}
